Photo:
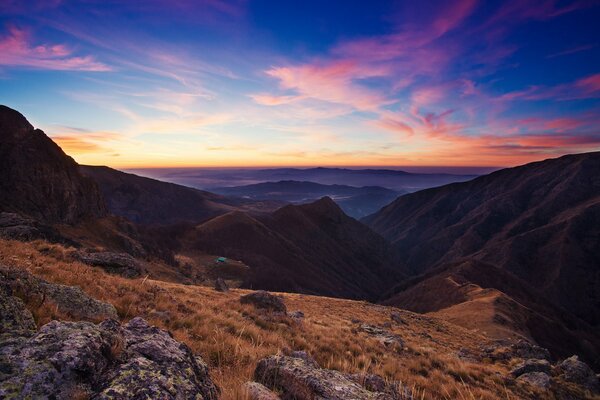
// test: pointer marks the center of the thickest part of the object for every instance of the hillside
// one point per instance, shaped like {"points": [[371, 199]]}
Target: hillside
{"points": [[430, 358], [38, 179], [356, 202], [540, 222], [313, 248]]}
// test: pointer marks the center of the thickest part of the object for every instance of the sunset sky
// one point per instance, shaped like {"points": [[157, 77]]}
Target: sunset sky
{"points": [[161, 83]]}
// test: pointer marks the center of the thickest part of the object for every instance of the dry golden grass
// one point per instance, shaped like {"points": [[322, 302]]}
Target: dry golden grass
{"points": [[232, 337]]}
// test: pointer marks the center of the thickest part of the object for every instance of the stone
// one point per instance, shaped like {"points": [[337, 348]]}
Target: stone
{"points": [[107, 361], [69, 299], [385, 337], [299, 380], [14, 317], [264, 300], [538, 379], [118, 263], [221, 285], [528, 366], [303, 355], [296, 315], [397, 318], [576, 371], [256, 391]]}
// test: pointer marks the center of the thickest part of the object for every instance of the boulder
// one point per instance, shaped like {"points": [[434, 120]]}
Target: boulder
{"points": [[69, 299], [540, 380], [221, 285], [256, 391], [299, 380], [264, 300], [14, 317], [576, 371], [104, 361], [397, 318], [118, 263], [385, 337], [296, 315], [303, 355], [528, 366]]}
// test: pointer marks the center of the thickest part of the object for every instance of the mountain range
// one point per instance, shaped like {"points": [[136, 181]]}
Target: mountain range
{"points": [[515, 253]]}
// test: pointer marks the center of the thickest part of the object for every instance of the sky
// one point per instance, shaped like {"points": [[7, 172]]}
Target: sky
{"points": [[215, 83]]}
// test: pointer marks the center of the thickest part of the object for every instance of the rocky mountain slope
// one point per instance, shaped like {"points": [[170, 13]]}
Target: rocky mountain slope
{"points": [[540, 222], [312, 248], [38, 179]]}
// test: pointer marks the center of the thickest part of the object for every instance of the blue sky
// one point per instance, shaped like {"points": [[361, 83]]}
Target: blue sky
{"points": [[268, 83]]}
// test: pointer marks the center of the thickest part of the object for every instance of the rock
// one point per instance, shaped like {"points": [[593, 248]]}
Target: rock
{"points": [[375, 383], [256, 391], [119, 263], [576, 371], [397, 318], [17, 227], [385, 337], [528, 366], [264, 300], [107, 361], [69, 299], [538, 379], [296, 315], [303, 355], [520, 349], [14, 317], [300, 380], [221, 285]]}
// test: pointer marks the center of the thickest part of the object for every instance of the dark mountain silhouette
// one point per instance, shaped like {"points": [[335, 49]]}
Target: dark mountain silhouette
{"points": [[311, 248], [357, 202], [38, 179]]}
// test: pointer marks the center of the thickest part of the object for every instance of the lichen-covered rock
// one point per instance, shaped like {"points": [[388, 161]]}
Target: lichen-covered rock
{"points": [[528, 366], [385, 337], [107, 361], [576, 371], [304, 356], [117, 263], [69, 299], [538, 379], [297, 316], [256, 391], [522, 349], [264, 300], [299, 380], [14, 317]]}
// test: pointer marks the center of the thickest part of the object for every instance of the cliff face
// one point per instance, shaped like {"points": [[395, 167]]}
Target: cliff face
{"points": [[38, 179]]}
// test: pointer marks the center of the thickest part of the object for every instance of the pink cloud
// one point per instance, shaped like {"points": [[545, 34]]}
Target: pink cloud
{"points": [[332, 82], [266, 99], [583, 88], [17, 51]]}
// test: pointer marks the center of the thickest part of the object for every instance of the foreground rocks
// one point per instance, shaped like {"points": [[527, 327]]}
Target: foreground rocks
{"points": [[265, 301], [300, 379], [116, 263], [69, 299], [221, 285], [64, 360], [575, 371]]}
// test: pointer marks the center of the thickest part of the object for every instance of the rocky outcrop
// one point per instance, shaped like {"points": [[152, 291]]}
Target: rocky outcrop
{"points": [[38, 179], [14, 317], [265, 301], [116, 263], [575, 371], [298, 379], [105, 361], [531, 366], [69, 299], [256, 391], [385, 337], [540, 380], [17, 227]]}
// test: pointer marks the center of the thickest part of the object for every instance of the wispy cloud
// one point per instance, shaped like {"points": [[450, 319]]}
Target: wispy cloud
{"points": [[18, 50]]}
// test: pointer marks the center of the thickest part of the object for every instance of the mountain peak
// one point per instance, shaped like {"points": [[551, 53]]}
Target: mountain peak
{"points": [[38, 179]]}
